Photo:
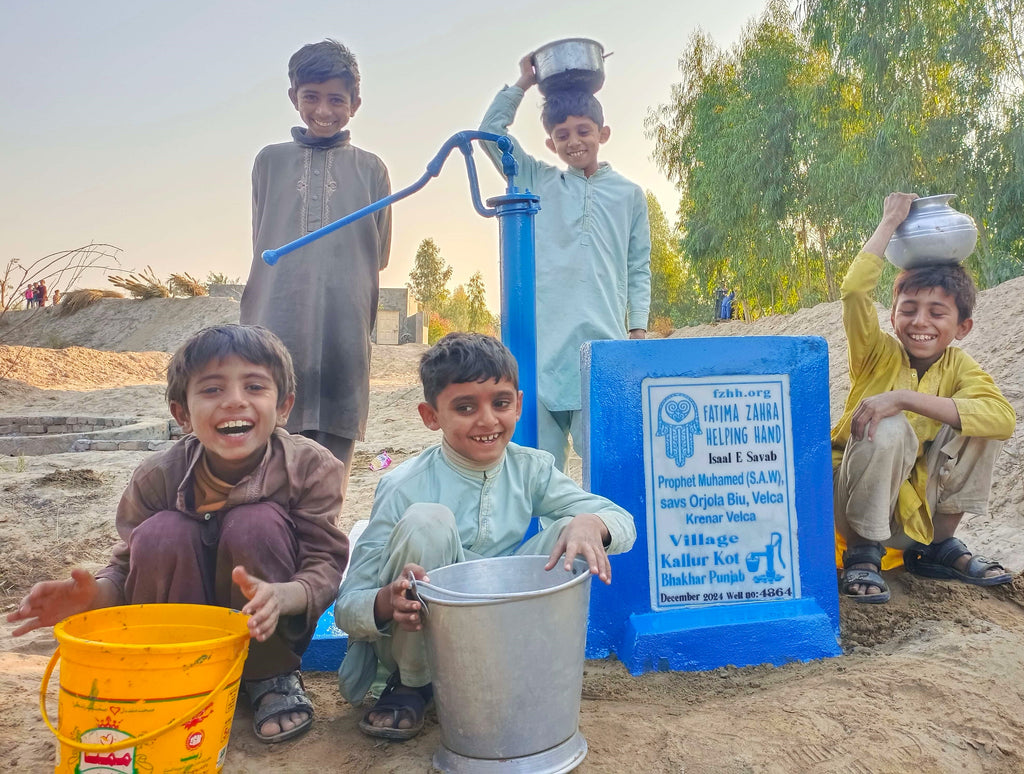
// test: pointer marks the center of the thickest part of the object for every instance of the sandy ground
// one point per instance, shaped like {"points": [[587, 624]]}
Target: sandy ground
{"points": [[930, 682]]}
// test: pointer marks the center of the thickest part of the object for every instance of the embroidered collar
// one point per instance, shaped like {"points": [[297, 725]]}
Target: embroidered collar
{"points": [[302, 136]]}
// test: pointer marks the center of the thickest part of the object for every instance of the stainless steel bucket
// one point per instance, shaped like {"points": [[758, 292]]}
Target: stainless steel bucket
{"points": [[505, 642], [572, 63]]}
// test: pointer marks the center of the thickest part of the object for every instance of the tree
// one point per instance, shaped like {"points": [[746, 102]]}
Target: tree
{"points": [[783, 147], [676, 294], [429, 277], [479, 317], [727, 140], [456, 309], [941, 84]]}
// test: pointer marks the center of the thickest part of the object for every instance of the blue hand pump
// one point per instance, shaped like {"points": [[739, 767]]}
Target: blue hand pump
{"points": [[515, 211]]}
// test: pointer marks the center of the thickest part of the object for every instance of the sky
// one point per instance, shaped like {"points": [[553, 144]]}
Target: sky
{"points": [[137, 123]]}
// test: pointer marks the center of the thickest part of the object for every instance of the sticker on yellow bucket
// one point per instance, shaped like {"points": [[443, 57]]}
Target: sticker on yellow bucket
{"points": [[120, 761]]}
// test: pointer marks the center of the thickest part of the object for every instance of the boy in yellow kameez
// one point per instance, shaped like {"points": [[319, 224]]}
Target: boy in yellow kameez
{"points": [[923, 424]]}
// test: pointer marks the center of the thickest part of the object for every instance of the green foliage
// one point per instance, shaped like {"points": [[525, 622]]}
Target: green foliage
{"points": [[677, 300], [438, 327], [456, 309], [783, 147], [479, 318], [464, 309], [219, 278], [429, 277]]}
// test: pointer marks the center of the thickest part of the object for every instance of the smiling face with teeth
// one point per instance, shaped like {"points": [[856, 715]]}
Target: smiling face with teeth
{"points": [[477, 418], [325, 108], [576, 141], [232, 407], [927, 321]]}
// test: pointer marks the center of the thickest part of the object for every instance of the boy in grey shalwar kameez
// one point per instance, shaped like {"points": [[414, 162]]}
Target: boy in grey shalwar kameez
{"points": [[321, 300]]}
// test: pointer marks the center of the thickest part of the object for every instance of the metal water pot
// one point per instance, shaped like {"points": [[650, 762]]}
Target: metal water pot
{"points": [[933, 233], [570, 63]]}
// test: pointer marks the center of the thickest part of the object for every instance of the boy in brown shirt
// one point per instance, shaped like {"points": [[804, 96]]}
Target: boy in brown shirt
{"points": [[238, 513]]}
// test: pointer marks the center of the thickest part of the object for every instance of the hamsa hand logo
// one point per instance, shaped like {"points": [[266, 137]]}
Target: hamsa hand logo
{"points": [[679, 422]]}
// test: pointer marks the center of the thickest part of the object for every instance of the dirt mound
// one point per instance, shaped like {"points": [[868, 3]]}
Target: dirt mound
{"points": [[928, 682], [77, 368], [119, 324]]}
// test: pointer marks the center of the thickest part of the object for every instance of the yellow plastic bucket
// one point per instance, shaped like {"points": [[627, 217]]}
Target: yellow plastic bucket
{"points": [[146, 688]]}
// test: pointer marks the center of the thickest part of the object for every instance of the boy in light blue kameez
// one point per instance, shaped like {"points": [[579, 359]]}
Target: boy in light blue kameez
{"points": [[593, 250], [469, 497]]}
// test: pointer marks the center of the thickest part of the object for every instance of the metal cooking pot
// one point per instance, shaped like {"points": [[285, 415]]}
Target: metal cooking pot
{"points": [[933, 233], [571, 63]]}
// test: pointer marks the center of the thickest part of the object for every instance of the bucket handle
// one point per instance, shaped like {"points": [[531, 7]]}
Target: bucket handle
{"points": [[134, 740], [462, 597]]}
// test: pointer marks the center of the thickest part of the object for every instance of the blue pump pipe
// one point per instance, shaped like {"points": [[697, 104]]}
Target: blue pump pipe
{"points": [[515, 211]]}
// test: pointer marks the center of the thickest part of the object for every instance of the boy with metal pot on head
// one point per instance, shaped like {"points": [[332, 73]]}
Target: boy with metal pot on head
{"points": [[471, 496], [238, 513], [923, 424], [593, 249]]}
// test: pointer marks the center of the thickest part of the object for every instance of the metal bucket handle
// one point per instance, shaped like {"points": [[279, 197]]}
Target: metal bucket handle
{"points": [[458, 598]]}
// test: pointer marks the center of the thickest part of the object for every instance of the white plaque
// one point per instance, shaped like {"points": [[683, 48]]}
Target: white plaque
{"points": [[718, 467]]}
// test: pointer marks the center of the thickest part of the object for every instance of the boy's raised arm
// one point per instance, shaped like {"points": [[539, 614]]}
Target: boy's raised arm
{"points": [[499, 117], [895, 209], [527, 75]]}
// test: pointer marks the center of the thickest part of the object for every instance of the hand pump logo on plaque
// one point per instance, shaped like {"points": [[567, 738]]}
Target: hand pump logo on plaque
{"points": [[718, 466]]}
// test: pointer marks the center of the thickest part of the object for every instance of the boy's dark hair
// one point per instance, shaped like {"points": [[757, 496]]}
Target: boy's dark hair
{"points": [[952, 278], [572, 102], [319, 62], [252, 343], [465, 357]]}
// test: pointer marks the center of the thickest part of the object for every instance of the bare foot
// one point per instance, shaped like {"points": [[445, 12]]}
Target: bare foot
{"points": [[285, 721], [386, 718], [961, 565], [862, 589]]}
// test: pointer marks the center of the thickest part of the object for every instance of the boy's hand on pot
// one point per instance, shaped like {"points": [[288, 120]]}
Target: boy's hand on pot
{"points": [[50, 602], [527, 75], [896, 206], [584, 536]]}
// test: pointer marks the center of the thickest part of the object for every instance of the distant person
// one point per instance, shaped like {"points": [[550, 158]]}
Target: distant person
{"points": [[720, 294], [238, 513], [30, 296], [42, 293], [593, 250], [56, 297], [471, 496], [726, 307], [923, 423], [322, 299]]}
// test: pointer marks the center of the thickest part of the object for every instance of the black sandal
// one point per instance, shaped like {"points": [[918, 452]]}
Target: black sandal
{"points": [[292, 699], [870, 553], [937, 561], [412, 701]]}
